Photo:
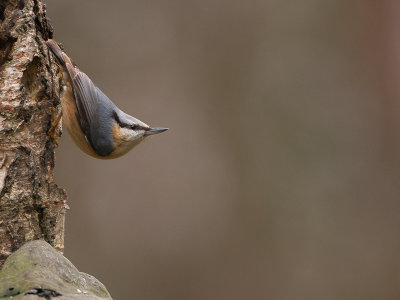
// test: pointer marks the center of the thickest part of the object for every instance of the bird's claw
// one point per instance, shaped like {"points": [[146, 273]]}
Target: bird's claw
{"points": [[61, 73], [53, 132]]}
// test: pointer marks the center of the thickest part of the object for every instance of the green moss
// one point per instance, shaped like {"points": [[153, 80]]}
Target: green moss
{"points": [[38, 265]]}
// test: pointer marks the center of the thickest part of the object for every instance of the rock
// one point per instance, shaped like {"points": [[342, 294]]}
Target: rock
{"points": [[37, 271]]}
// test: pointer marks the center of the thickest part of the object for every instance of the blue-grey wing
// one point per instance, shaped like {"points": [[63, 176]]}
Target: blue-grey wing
{"points": [[95, 113], [86, 100]]}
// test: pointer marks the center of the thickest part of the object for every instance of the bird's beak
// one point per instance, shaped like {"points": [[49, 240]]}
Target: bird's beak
{"points": [[155, 131]]}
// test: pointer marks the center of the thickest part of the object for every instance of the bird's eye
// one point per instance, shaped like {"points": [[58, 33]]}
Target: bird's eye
{"points": [[133, 126]]}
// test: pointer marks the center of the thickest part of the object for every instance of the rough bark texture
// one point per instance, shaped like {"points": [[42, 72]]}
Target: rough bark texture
{"points": [[31, 205]]}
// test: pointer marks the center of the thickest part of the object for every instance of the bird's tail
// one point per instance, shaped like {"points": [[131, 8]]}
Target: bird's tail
{"points": [[52, 44], [63, 58]]}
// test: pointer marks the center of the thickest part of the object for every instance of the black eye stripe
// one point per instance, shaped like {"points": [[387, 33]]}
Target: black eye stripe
{"points": [[138, 127], [130, 126], [121, 124]]}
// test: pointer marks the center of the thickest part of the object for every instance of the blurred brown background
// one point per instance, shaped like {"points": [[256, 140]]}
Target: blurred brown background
{"points": [[280, 176]]}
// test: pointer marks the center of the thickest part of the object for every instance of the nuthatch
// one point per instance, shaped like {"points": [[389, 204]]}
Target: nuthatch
{"points": [[95, 123]]}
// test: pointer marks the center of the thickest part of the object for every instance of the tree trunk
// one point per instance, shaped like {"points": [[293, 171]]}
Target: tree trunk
{"points": [[31, 205]]}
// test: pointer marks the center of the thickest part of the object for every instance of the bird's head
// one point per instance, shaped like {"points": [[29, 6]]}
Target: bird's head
{"points": [[128, 132]]}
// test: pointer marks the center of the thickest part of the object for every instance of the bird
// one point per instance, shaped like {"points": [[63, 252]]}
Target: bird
{"points": [[97, 126]]}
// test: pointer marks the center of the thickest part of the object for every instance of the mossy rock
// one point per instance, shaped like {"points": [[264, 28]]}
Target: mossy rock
{"points": [[37, 271]]}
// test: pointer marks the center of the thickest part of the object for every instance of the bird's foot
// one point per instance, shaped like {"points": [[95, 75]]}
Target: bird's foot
{"points": [[61, 73], [53, 132]]}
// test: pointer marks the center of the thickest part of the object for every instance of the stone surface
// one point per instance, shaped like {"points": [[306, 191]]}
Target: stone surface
{"points": [[37, 271]]}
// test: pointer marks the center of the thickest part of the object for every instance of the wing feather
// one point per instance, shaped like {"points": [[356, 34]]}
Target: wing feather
{"points": [[86, 98]]}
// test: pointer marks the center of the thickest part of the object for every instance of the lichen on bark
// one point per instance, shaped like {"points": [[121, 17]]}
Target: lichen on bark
{"points": [[32, 206]]}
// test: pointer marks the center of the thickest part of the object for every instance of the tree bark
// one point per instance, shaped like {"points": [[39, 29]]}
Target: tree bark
{"points": [[31, 205]]}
